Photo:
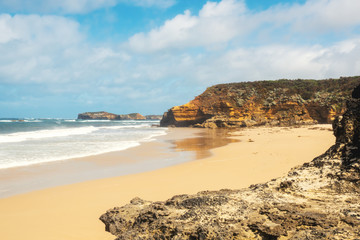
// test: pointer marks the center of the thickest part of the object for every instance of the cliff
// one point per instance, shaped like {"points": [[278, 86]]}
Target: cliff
{"points": [[319, 200], [110, 116], [282, 102]]}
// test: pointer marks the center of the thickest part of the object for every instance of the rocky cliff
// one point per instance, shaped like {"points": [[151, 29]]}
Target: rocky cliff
{"points": [[319, 200], [110, 116], [282, 102]]}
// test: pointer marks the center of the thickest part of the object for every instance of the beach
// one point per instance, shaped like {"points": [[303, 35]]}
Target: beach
{"points": [[208, 162]]}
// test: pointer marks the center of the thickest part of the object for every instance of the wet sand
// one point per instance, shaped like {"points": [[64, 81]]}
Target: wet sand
{"points": [[72, 211]]}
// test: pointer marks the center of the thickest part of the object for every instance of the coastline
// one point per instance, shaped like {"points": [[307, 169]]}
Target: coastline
{"points": [[162, 151], [72, 211]]}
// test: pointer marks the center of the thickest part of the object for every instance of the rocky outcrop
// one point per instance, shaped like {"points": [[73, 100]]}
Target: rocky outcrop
{"points": [[282, 102], [110, 116], [131, 116], [319, 200], [153, 117], [97, 116]]}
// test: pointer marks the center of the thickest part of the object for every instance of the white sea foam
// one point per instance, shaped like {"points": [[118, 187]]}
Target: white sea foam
{"points": [[71, 140], [58, 139], [32, 120], [61, 156], [34, 135], [128, 126], [94, 121]]}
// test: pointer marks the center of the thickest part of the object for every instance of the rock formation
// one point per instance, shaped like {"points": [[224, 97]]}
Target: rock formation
{"points": [[131, 116], [110, 116], [318, 200], [97, 116], [153, 117], [282, 102]]}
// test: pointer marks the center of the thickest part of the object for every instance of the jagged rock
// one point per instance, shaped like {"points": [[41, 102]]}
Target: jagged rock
{"points": [[109, 116], [318, 200], [282, 102]]}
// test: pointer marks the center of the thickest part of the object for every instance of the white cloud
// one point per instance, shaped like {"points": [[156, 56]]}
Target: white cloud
{"points": [[221, 23], [173, 32], [217, 23], [51, 50], [32, 45], [35, 28], [281, 61], [314, 17]]}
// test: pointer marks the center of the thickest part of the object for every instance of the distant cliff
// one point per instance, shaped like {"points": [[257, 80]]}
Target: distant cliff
{"points": [[281, 102], [110, 116], [153, 117]]}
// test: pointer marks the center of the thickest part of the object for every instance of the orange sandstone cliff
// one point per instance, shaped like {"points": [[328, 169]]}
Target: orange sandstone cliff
{"points": [[282, 102]]}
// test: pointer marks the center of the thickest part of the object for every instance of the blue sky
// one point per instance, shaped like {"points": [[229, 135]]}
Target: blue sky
{"points": [[60, 58]]}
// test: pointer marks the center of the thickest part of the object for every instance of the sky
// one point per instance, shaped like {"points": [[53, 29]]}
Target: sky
{"points": [[61, 58]]}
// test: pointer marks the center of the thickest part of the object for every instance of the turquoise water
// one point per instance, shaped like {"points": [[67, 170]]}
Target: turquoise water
{"points": [[33, 141]]}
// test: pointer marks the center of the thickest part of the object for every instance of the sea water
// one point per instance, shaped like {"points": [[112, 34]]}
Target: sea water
{"points": [[34, 141]]}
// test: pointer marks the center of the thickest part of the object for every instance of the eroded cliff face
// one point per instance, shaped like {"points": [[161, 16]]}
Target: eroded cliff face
{"points": [[282, 102], [110, 116], [319, 200]]}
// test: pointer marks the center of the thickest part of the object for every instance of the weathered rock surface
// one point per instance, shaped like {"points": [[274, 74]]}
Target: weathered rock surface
{"points": [[110, 116], [319, 200], [282, 102]]}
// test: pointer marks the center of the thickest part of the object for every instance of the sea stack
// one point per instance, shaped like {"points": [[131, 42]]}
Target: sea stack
{"points": [[318, 200]]}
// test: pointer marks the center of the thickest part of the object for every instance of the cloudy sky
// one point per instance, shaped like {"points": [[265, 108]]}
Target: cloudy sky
{"points": [[60, 58]]}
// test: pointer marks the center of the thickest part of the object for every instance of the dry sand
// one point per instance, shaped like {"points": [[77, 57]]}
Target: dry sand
{"points": [[72, 211]]}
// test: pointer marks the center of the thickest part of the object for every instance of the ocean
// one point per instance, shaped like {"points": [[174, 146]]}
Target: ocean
{"points": [[33, 141]]}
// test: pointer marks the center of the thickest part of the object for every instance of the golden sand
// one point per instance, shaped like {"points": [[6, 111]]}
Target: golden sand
{"points": [[72, 211]]}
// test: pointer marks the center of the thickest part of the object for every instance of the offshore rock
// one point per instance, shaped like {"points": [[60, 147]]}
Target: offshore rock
{"points": [[318, 200], [97, 116], [282, 102], [153, 117], [131, 116], [110, 116]]}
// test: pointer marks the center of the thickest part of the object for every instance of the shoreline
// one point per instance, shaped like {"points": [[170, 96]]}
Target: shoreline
{"points": [[72, 211], [162, 151]]}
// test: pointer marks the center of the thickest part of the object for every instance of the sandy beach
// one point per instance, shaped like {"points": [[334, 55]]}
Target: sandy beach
{"points": [[251, 156]]}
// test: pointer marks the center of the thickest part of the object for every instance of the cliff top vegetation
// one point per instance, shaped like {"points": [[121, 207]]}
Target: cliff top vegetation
{"points": [[305, 88]]}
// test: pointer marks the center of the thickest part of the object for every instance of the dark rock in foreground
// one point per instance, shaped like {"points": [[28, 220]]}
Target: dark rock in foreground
{"points": [[319, 200], [282, 102]]}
